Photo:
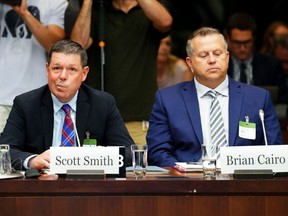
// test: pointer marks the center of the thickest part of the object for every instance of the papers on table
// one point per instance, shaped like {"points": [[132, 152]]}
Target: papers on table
{"points": [[188, 167], [151, 170]]}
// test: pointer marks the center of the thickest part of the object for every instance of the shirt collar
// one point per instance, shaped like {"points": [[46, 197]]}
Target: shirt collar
{"points": [[221, 89], [57, 105], [238, 62]]}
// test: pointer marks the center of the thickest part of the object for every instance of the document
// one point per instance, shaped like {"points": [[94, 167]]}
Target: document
{"points": [[151, 170], [188, 167]]}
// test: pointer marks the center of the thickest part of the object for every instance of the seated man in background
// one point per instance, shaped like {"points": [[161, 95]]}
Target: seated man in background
{"points": [[170, 68], [37, 117], [179, 126], [246, 64]]}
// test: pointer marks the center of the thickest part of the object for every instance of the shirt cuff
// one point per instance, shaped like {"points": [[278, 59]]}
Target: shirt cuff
{"points": [[26, 161]]}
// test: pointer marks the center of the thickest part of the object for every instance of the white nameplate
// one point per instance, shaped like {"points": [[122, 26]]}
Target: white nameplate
{"points": [[274, 157], [85, 158]]}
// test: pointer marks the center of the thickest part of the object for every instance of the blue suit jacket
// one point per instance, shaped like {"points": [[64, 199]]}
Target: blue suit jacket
{"points": [[29, 128], [175, 132]]}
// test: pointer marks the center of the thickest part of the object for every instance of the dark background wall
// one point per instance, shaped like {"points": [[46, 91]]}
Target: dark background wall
{"points": [[191, 14]]}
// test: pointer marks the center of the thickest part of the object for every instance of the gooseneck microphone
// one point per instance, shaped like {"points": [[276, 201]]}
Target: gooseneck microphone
{"points": [[261, 115], [75, 129]]}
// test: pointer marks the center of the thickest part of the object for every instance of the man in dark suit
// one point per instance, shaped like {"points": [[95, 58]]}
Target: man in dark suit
{"points": [[180, 122], [246, 64], [36, 119]]}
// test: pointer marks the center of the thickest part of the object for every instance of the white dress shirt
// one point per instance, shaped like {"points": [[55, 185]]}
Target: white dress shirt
{"points": [[204, 107]]}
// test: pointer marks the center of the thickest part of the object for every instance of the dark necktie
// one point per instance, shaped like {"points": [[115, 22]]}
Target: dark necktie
{"points": [[218, 136], [243, 77], [68, 135]]}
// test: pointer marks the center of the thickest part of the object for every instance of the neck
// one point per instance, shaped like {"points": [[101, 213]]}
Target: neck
{"points": [[161, 69], [124, 5]]}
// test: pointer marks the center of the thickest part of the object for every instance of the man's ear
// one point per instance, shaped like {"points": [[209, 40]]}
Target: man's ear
{"points": [[47, 69], [189, 63], [85, 73]]}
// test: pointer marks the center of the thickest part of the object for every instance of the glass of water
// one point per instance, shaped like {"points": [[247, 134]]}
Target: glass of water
{"points": [[139, 160], [5, 159], [209, 158]]}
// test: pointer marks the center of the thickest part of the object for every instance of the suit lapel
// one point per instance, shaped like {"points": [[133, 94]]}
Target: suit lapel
{"points": [[83, 107], [189, 95], [235, 106], [46, 110]]}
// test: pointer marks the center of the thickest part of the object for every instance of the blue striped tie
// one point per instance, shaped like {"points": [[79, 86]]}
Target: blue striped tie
{"points": [[218, 136], [68, 135]]}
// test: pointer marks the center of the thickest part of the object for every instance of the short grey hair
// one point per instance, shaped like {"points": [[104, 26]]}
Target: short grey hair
{"points": [[202, 32]]}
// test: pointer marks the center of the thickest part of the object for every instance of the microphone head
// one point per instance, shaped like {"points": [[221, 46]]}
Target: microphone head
{"points": [[261, 114]]}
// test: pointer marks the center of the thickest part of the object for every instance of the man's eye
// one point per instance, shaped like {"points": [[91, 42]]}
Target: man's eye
{"points": [[202, 55], [72, 70], [56, 69]]}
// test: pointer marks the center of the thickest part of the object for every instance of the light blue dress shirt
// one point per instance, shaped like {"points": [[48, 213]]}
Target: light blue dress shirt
{"points": [[59, 116]]}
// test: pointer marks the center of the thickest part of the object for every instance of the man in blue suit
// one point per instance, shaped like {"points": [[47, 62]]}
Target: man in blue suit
{"points": [[36, 119], [179, 121]]}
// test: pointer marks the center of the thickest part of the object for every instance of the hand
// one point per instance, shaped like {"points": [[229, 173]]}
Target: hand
{"points": [[41, 161], [20, 9]]}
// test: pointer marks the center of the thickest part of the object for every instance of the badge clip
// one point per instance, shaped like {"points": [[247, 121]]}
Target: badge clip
{"points": [[247, 119], [89, 142]]}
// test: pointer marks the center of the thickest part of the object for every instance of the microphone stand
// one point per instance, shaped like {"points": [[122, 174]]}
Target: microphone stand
{"points": [[261, 115], [101, 41]]}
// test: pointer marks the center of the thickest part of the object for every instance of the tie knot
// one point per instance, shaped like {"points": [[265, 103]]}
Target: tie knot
{"points": [[212, 93], [66, 108]]}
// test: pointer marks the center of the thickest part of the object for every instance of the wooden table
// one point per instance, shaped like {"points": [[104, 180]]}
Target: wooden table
{"points": [[178, 195]]}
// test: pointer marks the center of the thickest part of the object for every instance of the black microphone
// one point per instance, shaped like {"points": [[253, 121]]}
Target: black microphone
{"points": [[12, 2], [261, 115], [75, 129]]}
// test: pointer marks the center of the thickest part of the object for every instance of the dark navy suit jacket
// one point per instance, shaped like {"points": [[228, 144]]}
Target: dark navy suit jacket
{"points": [[175, 132], [267, 71], [29, 129]]}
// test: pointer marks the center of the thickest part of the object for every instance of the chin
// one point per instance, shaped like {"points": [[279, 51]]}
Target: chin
{"points": [[61, 97]]}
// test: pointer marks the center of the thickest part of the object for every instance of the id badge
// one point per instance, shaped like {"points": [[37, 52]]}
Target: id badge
{"points": [[247, 130], [89, 142]]}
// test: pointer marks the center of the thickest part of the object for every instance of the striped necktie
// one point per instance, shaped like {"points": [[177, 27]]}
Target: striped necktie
{"points": [[218, 136], [243, 77], [68, 135]]}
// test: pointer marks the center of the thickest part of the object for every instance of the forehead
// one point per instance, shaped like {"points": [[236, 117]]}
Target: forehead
{"points": [[208, 43], [281, 30], [238, 34], [65, 58]]}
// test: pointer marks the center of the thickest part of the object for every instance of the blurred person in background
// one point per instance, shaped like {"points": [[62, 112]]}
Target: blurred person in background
{"points": [[132, 33], [280, 51], [274, 29], [170, 68], [246, 64], [27, 31]]}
